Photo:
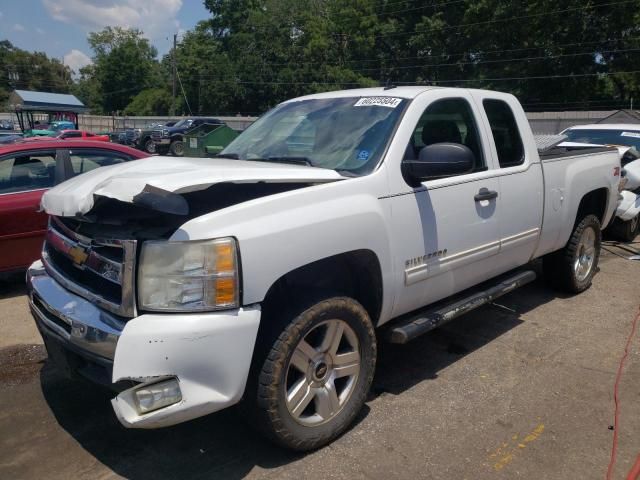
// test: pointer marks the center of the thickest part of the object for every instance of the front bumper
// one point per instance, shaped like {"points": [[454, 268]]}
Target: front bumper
{"points": [[209, 354], [162, 141]]}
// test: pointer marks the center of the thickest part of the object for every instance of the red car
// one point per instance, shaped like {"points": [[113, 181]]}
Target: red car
{"points": [[69, 134], [82, 135], [27, 170]]}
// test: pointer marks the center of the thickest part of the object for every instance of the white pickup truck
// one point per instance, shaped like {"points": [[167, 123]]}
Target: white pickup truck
{"points": [[263, 276]]}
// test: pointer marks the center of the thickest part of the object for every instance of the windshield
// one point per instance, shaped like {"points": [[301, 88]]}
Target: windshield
{"points": [[57, 126], [183, 123], [345, 134], [629, 138]]}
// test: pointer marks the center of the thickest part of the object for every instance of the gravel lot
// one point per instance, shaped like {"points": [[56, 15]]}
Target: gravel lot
{"points": [[517, 390]]}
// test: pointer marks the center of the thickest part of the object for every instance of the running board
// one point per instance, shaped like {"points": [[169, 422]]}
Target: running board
{"points": [[426, 320]]}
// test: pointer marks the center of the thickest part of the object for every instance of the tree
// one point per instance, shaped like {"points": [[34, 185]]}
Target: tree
{"points": [[20, 69], [123, 65], [153, 101]]}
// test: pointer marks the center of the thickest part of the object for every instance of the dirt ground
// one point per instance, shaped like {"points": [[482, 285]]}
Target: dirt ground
{"points": [[519, 389]]}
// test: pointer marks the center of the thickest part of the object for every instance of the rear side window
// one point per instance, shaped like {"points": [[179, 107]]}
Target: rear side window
{"points": [[505, 133], [83, 161]]}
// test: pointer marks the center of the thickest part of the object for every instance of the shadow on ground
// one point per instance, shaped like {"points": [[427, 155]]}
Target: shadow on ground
{"points": [[12, 285], [222, 445]]}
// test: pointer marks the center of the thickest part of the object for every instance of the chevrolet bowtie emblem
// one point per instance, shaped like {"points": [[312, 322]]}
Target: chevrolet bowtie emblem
{"points": [[78, 254]]}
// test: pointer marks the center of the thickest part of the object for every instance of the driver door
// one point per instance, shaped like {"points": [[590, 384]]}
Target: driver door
{"points": [[447, 228]]}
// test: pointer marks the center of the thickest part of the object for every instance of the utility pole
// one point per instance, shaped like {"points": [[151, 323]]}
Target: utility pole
{"points": [[174, 69]]}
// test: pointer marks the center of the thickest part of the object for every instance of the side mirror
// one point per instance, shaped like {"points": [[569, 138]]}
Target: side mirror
{"points": [[437, 161]]}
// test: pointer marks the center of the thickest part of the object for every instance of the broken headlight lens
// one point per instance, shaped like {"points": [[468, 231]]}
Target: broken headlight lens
{"points": [[188, 276]]}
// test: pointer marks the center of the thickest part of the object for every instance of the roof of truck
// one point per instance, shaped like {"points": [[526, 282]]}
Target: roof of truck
{"points": [[398, 92]]}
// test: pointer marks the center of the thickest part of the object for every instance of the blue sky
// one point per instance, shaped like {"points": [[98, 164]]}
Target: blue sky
{"points": [[60, 27]]}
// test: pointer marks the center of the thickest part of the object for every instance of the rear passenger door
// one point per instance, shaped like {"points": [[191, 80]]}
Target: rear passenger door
{"points": [[519, 174]]}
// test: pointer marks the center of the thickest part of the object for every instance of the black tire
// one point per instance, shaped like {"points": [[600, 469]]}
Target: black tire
{"points": [[625, 231], [560, 267], [149, 146], [177, 148], [266, 398]]}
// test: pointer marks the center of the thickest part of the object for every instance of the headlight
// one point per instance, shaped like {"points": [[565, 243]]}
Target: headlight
{"points": [[188, 276], [165, 133]]}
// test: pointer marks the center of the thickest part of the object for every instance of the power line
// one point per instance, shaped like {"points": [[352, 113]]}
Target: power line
{"points": [[443, 55], [425, 83]]}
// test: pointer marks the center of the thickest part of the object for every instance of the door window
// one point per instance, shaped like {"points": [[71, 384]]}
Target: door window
{"points": [[506, 134], [24, 172], [84, 161], [447, 121]]}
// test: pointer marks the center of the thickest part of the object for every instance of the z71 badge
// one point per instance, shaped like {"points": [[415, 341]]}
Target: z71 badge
{"points": [[417, 261]]}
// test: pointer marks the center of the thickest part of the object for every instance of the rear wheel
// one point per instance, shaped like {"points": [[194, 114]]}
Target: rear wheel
{"points": [[572, 268], [316, 374], [177, 148], [625, 231]]}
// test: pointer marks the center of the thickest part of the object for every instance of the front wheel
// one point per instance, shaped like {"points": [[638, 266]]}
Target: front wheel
{"points": [[572, 268], [316, 375], [150, 146]]}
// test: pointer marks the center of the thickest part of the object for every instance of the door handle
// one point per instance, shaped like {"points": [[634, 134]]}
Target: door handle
{"points": [[485, 195]]}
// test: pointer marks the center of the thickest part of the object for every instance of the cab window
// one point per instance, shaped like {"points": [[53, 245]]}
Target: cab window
{"points": [[506, 134], [25, 172], [447, 121]]}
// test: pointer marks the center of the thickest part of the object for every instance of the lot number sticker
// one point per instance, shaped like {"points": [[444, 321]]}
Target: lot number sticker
{"points": [[193, 143], [390, 102]]}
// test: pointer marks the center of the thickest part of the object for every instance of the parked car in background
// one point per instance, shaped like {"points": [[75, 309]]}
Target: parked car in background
{"points": [[50, 129], [626, 138], [142, 136], [622, 135], [81, 134], [171, 139], [27, 170], [6, 125], [71, 134]]}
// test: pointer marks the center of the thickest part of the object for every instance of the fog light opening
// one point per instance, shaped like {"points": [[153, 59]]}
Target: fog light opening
{"points": [[158, 395]]}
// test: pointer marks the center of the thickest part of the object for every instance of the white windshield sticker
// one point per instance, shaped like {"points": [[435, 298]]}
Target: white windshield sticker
{"points": [[630, 134], [390, 102]]}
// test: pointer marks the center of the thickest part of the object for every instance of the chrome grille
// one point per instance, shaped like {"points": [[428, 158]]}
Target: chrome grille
{"points": [[156, 135], [102, 271]]}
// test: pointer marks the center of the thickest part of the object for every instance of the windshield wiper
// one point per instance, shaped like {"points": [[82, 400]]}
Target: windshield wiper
{"points": [[233, 156], [292, 160]]}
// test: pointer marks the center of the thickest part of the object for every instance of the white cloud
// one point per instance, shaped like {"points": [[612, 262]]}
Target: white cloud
{"points": [[156, 18], [18, 27], [40, 31], [76, 59]]}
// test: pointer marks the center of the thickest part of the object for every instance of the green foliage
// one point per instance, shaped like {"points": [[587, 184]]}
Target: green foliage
{"points": [[154, 101], [251, 54], [24, 70], [123, 65]]}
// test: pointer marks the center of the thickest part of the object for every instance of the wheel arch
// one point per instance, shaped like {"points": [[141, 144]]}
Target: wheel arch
{"points": [[355, 273], [595, 203]]}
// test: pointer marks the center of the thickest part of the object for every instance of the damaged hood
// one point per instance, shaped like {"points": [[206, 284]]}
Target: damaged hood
{"points": [[145, 181]]}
